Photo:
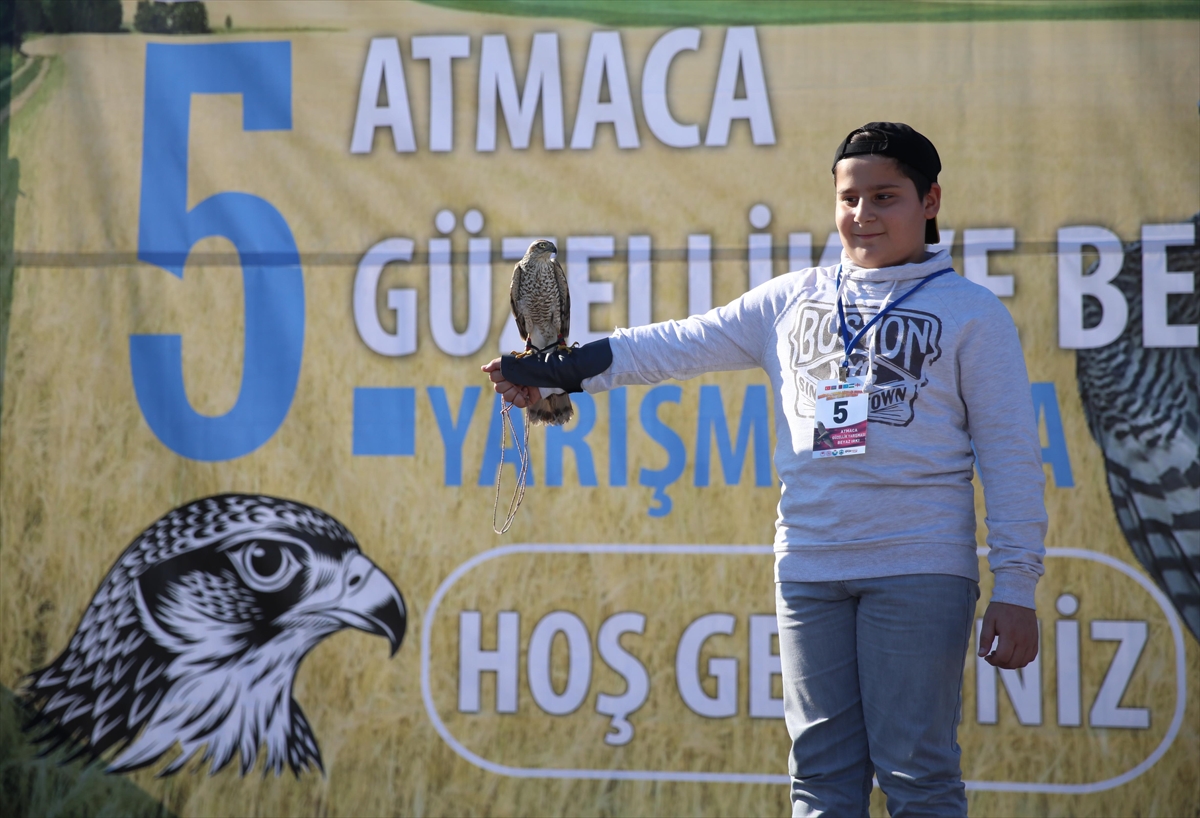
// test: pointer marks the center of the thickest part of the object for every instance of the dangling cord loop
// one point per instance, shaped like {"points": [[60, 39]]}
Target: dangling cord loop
{"points": [[523, 451]]}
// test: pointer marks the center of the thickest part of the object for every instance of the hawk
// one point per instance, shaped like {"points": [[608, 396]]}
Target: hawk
{"points": [[195, 635], [1143, 411], [542, 306]]}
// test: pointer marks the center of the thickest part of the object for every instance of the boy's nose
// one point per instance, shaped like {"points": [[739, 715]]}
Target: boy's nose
{"points": [[863, 212]]}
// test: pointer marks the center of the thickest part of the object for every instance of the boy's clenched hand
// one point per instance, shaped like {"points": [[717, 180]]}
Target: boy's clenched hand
{"points": [[521, 396], [1018, 632]]}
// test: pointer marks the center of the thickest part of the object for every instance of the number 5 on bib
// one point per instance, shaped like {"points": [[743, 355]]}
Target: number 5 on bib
{"points": [[840, 422]]}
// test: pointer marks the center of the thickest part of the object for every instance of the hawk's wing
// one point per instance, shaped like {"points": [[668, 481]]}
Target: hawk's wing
{"points": [[1160, 521], [564, 299], [1143, 410], [513, 289]]}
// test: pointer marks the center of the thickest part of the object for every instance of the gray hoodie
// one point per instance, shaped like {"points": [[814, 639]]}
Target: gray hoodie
{"points": [[945, 373]]}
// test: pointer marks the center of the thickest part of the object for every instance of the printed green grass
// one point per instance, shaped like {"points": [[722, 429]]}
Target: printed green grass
{"points": [[10, 61], [46, 786], [22, 78], [810, 12]]}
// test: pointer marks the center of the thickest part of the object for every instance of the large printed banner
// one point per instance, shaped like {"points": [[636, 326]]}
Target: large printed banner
{"points": [[248, 453]]}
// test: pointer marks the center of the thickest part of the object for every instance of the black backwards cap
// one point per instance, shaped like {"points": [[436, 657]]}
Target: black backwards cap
{"points": [[902, 143]]}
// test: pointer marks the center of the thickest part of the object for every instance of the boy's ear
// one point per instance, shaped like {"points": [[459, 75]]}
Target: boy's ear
{"points": [[933, 201]]}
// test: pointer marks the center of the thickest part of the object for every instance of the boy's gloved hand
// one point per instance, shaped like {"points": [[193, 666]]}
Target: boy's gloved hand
{"points": [[527, 379]]}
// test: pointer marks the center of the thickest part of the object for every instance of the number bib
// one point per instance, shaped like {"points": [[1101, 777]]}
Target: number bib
{"points": [[840, 425]]}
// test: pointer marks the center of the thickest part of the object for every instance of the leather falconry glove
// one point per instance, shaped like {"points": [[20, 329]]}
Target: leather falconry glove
{"points": [[564, 369]]}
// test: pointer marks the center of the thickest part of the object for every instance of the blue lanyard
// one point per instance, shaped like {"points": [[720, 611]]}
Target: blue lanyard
{"points": [[849, 343]]}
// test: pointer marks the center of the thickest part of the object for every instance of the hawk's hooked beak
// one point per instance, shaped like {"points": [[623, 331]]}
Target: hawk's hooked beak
{"points": [[372, 603]]}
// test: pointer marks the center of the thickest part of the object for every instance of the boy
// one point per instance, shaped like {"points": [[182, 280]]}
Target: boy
{"points": [[876, 572]]}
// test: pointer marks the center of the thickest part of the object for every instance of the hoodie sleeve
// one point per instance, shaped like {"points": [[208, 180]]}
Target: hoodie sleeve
{"points": [[1003, 428], [729, 337]]}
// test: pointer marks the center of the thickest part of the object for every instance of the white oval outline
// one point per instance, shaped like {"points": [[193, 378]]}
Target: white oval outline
{"points": [[752, 778]]}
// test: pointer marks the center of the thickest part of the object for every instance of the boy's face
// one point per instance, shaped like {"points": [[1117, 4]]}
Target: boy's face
{"points": [[880, 218]]}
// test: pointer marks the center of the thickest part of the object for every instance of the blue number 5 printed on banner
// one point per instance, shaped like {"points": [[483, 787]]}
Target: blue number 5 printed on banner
{"points": [[167, 230]]}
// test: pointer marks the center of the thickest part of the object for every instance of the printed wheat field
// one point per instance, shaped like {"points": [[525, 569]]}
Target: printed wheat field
{"points": [[1040, 125]]}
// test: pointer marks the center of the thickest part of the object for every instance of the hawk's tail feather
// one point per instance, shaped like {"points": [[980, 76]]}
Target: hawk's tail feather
{"points": [[555, 410]]}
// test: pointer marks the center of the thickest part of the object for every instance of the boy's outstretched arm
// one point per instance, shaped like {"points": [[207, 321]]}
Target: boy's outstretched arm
{"points": [[729, 337]]}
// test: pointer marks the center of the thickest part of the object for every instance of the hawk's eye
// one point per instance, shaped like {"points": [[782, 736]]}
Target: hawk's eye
{"points": [[265, 562], [265, 566]]}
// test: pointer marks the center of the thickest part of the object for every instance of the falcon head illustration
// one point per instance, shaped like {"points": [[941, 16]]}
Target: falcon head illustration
{"points": [[195, 635]]}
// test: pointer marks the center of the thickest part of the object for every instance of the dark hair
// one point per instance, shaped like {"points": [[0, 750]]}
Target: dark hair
{"points": [[919, 179]]}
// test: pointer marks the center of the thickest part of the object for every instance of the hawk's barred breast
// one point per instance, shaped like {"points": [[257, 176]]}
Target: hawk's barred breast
{"points": [[540, 301]]}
